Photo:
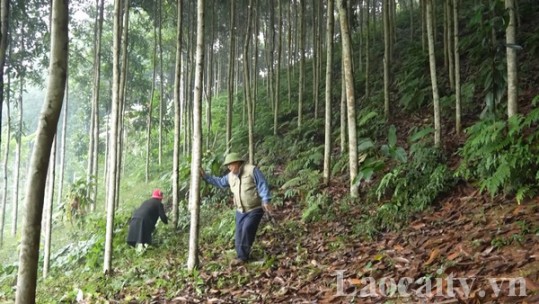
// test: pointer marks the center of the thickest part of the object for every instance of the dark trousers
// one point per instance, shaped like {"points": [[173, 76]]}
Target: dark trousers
{"points": [[246, 226]]}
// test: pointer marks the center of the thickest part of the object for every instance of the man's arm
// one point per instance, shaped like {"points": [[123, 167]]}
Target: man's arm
{"points": [[262, 186], [221, 182]]}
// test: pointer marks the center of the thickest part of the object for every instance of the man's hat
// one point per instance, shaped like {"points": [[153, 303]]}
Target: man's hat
{"points": [[232, 158], [157, 194]]}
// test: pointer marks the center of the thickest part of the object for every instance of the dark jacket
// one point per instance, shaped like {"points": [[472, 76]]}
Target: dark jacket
{"points": [[143, 222]]}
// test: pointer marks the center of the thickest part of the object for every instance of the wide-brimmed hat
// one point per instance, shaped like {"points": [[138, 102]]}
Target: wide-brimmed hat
{"points": [[232, 158], [157, 194]]}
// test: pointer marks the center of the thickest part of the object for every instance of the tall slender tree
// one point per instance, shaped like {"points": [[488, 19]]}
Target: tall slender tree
{"points": [[329, 71], [177, 118], [433, 78], [512, 71], [231, 63], [350, 96], [301, 61], [61, 162], [5, 166], [17, 162], [247, 83], [278, 70], [37, 172], [162, 105], [196, 155], [4, 27], [113, 141], [121, 95], [387, 56], [457, 66], [94, 115], [150, 103], [49, 198]]}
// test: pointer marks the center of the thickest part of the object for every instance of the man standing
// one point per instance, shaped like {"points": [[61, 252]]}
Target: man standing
{"points": [[143, 222], [251, 199]]}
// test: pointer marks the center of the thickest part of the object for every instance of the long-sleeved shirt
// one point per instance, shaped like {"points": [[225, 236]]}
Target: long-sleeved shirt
{"points": [[260, 181]]}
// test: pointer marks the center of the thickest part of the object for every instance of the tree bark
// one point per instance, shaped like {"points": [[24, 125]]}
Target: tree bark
{"points": [[62, 148], [512, 65], [343, 111], [94, 115], [196, 156], [457, 67], [278, 71], [350, 98], [247, 84], [301, 61], [177, 119], [37, 173], [433, 78], [162, 106], [49, 197], [121, 96], [17, 163], [367, 51], [387, 57], [329, 71], [150, 106], [5, 166], [4, 41], [289, 52], [231, 62], [114, 134]]}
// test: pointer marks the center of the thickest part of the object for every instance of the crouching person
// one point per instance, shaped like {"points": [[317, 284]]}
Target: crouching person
{"points": [[143, 221]]}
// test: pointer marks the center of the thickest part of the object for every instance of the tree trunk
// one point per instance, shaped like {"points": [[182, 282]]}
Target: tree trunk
{"points": [[433, 78], [301, 60], [247, 84], [63, 148], [16, 170], [278, 71], [289, 53], [367, 52], [270, 49], [457, 66], [231, 62], [94, 122], [4, 27], [114, 134], [423, 7], [450, 45], [5, 166], [387, 57], [350, 98], [121, 96], [162, 106], [37, 173], [150, 106], [211, 82], [196, 155], [177, 120], [329, 71], [512, 65], [343, 111], [49, 197], [314, 58]]}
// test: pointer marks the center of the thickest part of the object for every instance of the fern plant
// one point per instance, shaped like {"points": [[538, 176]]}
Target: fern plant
{"points": [[502, 155], [412, 186]]}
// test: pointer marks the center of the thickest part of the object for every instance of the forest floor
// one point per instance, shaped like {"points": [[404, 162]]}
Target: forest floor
{"points": [[469, 248]]}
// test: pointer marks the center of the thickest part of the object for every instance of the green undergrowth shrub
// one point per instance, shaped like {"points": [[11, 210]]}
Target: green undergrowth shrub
{"points": [[501, 155], [411, 186]]}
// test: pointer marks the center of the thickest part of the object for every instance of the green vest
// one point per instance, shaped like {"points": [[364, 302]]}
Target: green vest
{"points": [[243, 187]]}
